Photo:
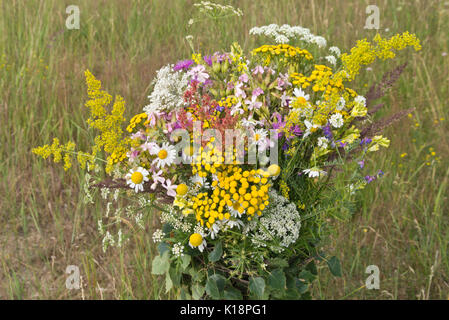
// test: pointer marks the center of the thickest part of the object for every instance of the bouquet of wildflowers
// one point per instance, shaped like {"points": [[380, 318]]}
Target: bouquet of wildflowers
{"points": [[236, 153]]}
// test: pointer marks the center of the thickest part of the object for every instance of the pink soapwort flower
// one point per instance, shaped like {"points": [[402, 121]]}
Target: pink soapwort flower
{"points": [[258, 70], [253, 104], [239, 92], [157, 178], [171, 188], [198, 73], [257, 92], [244, 78], [132, 154], [147, 146]]}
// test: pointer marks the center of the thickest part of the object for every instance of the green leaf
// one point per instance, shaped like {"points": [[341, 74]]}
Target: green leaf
{"points": [[168, 283], [301, 286], [162, 248], [279, 262], [232, 293], [184, 294], [277, 280], [257, 286], [334, 266], [212, 289], [306, 276], [197, 291], [175, 276], [215, 255], [160, 264], [311, 266], [185, 261], [219, 280]]}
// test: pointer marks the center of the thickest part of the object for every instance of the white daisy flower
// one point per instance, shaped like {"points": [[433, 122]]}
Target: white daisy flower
{"points": [[136, 178], [336, 120], [234, 210], [214, 229], [314, 172], [300, 95], [310, 128], [235, 223], [203, 244], [200, 182], [259, 137], [165, 155]]}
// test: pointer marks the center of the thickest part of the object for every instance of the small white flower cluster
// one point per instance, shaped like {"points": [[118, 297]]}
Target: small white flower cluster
{"points": [[285, 33], [178, 250], [158, 235], [280, 222], [168, 91], [108, 240], [176, 220], [216, 8]]}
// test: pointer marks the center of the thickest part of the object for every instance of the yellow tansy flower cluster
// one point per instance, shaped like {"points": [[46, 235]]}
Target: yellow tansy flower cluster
{"points": [[283, 50], [137, 119], [245, 191]]}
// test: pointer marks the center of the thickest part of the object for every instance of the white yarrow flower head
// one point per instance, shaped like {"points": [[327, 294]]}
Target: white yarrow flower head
{"points": [[314, 172], [341, 104], [136, 178], [336, 120], [165, 155], [322, 142], [360, 100], [168, 91], [335, 50], [332, 60], [158, 235], [178, 250]]}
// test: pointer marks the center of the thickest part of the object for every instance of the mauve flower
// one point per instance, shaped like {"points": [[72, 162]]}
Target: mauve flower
{"points": [[208, 60], [258, 69], [370, 179], [184, 64], [257, 92], [244, 78], [361, 163]]}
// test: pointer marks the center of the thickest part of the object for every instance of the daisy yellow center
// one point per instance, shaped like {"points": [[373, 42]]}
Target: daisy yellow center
{"points": [[274, 170], [137, 177], [257, 137], [182, 189], [236, 205], [162, 154], [302, 100], [196, 239]]}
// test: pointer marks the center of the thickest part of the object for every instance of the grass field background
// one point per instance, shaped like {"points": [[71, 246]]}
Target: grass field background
{"points": [[402, 224]]}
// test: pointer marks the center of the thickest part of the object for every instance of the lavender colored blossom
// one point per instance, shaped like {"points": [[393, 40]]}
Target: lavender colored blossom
{"points": [[184, 65], [257, 92], [208, 60]]}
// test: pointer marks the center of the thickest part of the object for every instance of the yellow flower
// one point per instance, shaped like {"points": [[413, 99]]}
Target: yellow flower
{"points": [[195, 239], [181, 189]]}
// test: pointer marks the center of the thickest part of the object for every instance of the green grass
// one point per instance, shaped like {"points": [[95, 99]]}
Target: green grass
{"points": [[402, 223]]}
